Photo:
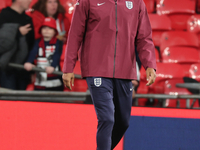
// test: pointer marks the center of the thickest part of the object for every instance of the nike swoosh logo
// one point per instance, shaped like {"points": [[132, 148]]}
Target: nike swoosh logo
{"points": [[131, 89], [100, 4]]}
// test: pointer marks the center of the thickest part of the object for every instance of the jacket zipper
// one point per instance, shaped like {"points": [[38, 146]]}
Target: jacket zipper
{"points": [[115, 37]]}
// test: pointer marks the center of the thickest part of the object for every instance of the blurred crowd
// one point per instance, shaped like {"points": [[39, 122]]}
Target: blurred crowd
{"points": [[34, 37]]}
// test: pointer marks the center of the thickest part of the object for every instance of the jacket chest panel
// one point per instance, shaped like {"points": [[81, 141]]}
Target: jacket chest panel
{"points": [[106, 9]]}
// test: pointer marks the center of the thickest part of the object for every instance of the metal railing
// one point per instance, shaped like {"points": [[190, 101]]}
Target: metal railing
{"points": [[71, 97], [42, 96], [37, 69]]}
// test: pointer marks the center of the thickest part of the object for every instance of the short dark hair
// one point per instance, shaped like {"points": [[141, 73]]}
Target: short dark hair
{"points": [[13, 1]]}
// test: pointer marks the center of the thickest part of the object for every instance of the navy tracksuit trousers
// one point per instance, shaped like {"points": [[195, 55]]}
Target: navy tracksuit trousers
{"points": [[112, 99]]}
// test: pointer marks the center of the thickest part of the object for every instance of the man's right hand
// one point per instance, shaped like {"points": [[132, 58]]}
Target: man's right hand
{"points": [[25, 29], [68, 79]]}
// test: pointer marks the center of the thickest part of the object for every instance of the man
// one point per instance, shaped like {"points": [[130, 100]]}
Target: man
{"points": [[15, 15], [107, 32]]}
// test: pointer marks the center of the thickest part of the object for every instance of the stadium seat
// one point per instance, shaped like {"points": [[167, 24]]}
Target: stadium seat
{"points": [[142, 89], [159, 24], [178, 38], [30, 87], [150, 5], [184, 55], [178, 11], [194, 72], [171, 89], [193, 25], [166, 71]]}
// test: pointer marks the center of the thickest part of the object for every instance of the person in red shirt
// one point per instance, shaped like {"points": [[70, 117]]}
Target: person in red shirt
{"points": [[107, 32], [50, 8]]}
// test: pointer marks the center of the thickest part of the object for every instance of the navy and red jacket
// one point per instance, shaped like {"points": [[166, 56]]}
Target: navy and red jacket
{"points": [[106, 32]]}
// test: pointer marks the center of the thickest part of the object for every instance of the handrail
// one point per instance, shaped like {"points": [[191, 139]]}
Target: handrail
{"points": [[42, 96], [70, 97], [37, 69]]}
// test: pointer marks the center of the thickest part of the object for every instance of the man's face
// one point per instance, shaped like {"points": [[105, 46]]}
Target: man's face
{"points": [[25, 4]]}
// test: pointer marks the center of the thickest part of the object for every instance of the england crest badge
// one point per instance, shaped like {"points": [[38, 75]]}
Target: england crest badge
{"points": [[97, 82], [129, 4]]}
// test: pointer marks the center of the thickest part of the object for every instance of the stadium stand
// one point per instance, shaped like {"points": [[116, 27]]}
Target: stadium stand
{"points": [[184, 55], [178, 38], [178, 13], [159, 24], [151, 5], [166, 71], [194, 71], [170, 88], [193, 25]]}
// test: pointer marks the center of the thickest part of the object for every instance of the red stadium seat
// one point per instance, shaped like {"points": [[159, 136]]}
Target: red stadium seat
{"points": [[178, 11], [194, 72], [166, 71], [193, 25], [142, 89], [186, 55], [176, 6], [178, 38], [150, 5], [171, 89], [30, 87], [159, 24]]}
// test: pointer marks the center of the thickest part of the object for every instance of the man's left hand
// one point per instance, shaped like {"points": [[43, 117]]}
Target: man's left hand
{"points": [[151, 76]]}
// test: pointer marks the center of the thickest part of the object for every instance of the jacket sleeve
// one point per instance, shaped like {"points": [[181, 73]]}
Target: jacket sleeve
{"points": [[144, 42], [76, 34]]}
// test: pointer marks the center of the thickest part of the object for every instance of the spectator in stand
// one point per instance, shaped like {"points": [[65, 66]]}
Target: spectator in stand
{"points": [[16, 38], [50, 8], [46, 51]]}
